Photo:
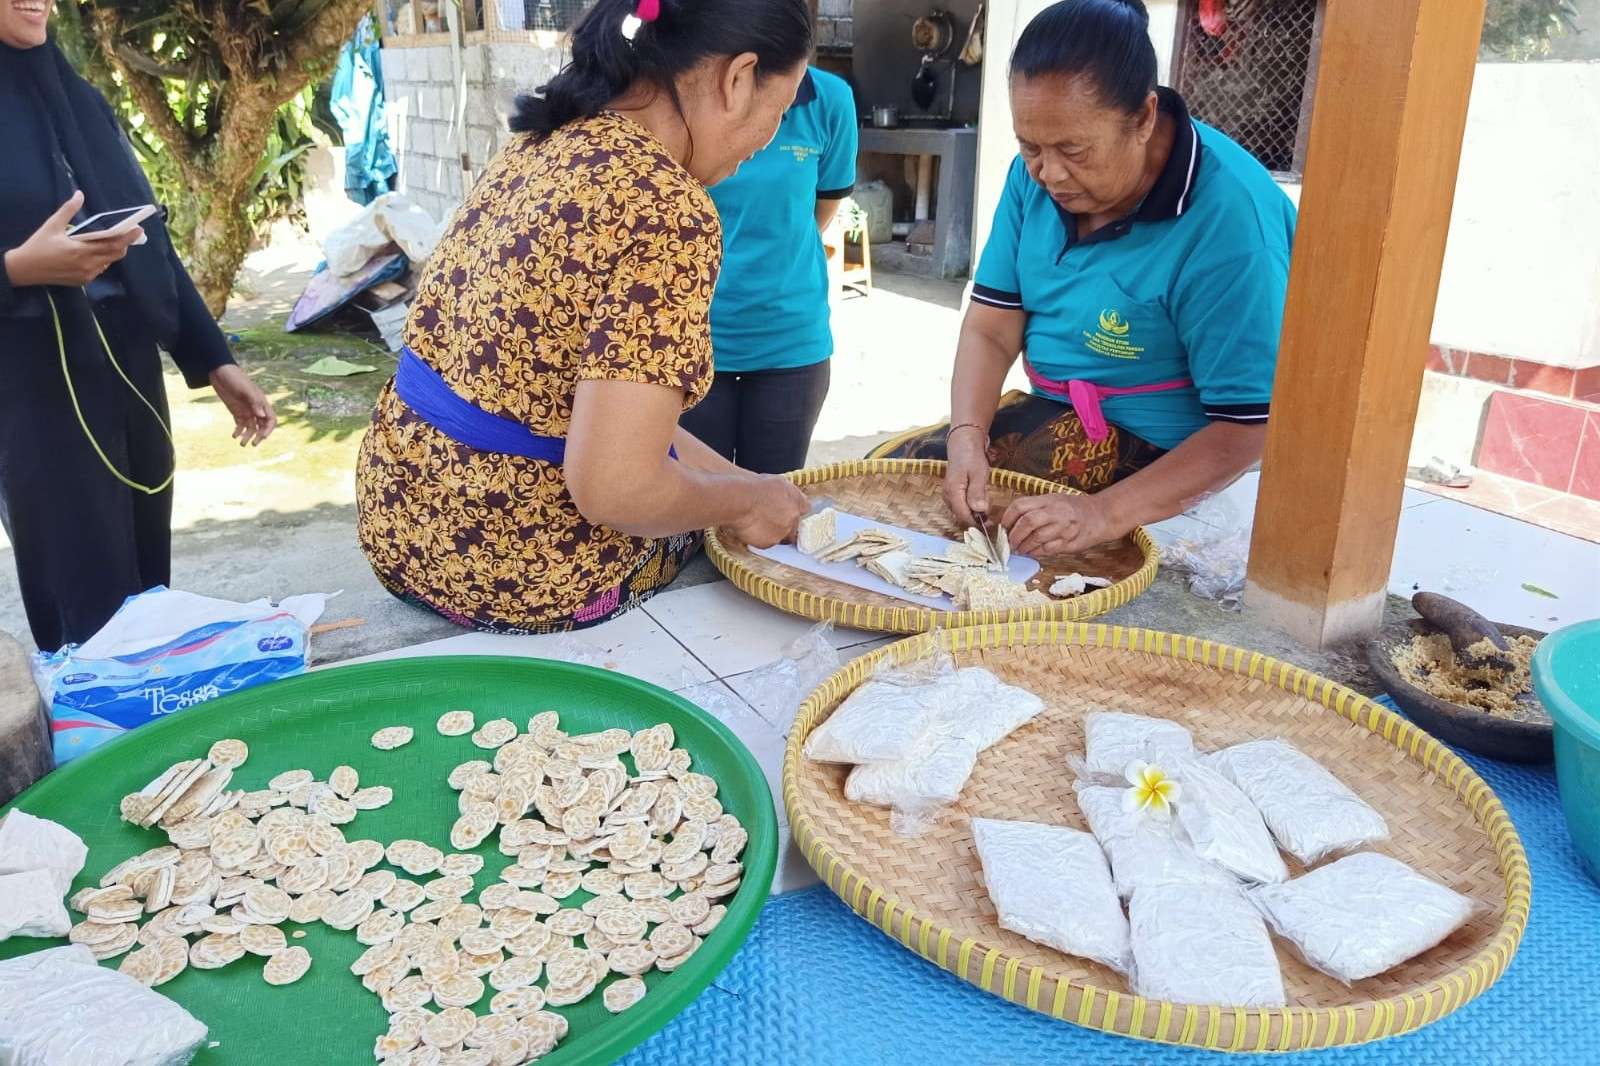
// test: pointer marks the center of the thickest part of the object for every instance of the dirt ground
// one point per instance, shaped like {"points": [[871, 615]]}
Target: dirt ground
{"points": [[281, 519]]}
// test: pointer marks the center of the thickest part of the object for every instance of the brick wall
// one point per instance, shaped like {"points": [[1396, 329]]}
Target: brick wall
{"points": [[419, 86], [835, 24]]}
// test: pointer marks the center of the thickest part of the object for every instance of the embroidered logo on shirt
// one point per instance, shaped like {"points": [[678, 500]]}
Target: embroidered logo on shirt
{"points": [[1112, 336], [801, 152]]}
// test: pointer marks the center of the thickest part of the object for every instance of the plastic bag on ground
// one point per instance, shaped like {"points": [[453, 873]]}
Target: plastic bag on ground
{"points": [[1143, 849], [1362, 915], [1203, 944], [777, 689], [1113, 740], [1311, 812], [30, 905], [1223, 825], [772, 692], [1051, 885], [60, 1008], [164, 651], [1216, 552], [390, 219], [29, 843]]}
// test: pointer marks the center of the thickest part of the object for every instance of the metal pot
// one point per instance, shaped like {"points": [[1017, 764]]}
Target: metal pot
{"points": [[886, 117]]}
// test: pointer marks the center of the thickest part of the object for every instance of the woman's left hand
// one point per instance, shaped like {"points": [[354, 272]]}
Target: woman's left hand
{"points": [[253, 416], [1057, 524]]}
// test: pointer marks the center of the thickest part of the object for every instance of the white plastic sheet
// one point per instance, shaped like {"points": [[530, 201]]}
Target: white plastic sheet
{"points": [[1051, 885], [30, 843], [1143, 849], [932, 775], [60, 1008], [1202, 944], [879, 721], [1113, 740], [915, 732], [1362, 915], [30, 905], [1223, 825], [985, 709], [1021, 568], [1310, 812]]}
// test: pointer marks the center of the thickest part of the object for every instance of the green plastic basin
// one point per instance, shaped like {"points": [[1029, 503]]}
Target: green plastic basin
{"points": [[1566, 675], [326, 718]]}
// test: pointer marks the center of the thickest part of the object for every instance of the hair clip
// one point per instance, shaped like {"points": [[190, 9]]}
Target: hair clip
{"points": [[647, 11]]}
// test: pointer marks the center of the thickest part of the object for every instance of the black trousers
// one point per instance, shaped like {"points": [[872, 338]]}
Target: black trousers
{"points": [[83, 541], [762, 419]]}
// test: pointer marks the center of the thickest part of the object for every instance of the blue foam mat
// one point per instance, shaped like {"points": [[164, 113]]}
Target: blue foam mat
{"points": [[815, 984]]}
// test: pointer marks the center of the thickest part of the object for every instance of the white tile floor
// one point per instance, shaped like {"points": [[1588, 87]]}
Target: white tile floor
{"points": [[717, 646], [1479, 557], [715, 623]]}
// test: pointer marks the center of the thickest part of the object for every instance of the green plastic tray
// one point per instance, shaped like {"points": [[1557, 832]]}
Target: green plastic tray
{"points": [[320, 720]]}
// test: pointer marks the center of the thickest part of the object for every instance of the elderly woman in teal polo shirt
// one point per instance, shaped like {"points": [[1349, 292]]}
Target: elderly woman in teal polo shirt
{"points": [[770, 333], [1138, 262]]}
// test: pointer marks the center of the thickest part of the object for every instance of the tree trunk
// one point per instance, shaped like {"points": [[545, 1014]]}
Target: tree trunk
{"points": [[222, 237], [221, 241], [218, 166]]}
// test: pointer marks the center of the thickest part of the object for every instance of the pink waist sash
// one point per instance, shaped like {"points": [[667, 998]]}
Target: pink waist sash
{"points": [[1085, 396]]}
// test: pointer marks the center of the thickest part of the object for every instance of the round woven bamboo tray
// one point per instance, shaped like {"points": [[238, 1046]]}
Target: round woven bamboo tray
{"points": [[906, 493], [927, 892]]}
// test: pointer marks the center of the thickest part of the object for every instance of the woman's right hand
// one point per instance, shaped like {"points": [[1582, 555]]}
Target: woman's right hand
{"points": [[776, 506], [50, 257], [966, 478]]}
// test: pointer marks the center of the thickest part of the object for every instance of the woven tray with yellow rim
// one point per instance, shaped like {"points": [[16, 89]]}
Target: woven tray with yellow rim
{"points": [[927, 892], [907, 493]]}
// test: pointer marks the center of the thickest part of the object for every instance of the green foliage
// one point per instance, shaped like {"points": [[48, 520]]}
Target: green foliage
{"points": [[170, 35], [1521, 30]]}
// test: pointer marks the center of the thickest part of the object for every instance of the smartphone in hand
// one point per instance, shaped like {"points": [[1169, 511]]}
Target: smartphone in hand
{"points": [[108, 224]]}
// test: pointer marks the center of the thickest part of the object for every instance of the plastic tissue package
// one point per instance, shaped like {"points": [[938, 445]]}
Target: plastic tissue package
{"points": [[1362, 915], [30, 905], [1311, 812], [164, 651], [932, 775], [1051, 885], [1143, 850], [1113, 740], [1202, 944], [29, 843], [880, 721], [60, 1008], [1223, 825]]}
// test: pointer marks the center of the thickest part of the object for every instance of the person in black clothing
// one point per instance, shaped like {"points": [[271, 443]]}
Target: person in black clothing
{"points": [[86, 455]]}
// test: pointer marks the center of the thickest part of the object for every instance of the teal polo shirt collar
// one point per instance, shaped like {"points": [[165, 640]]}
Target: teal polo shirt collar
{"points": [[805, 94], [1168, 198], [1173, 190]]}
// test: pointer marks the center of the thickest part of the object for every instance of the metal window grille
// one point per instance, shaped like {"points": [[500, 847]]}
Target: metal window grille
{"points": [[1248, 68], [558, 15]]}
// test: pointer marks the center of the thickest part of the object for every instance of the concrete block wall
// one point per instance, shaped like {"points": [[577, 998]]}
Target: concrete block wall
{"points": [[421, 106], [835, 23]]}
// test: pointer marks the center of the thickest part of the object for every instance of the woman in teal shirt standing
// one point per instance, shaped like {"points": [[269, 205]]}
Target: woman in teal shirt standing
{"points": [[770, 334]]}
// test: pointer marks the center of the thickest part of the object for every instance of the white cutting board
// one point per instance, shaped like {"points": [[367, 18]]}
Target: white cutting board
{"points": [[1021, 569]]}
